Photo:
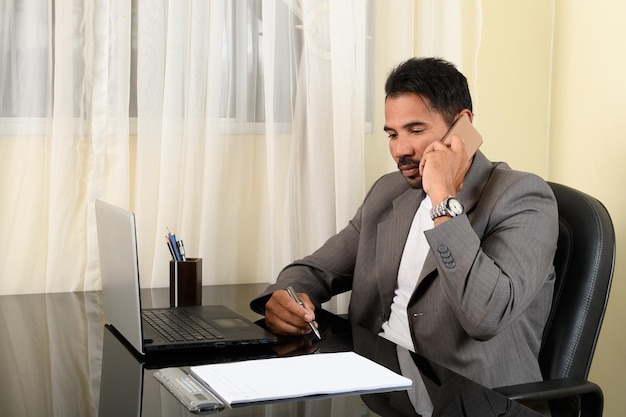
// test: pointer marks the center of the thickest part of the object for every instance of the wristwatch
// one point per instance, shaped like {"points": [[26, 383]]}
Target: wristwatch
{"points": [[451, 206]]}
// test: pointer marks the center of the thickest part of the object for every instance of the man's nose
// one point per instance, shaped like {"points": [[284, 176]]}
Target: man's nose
{"points": [[402, 146]]}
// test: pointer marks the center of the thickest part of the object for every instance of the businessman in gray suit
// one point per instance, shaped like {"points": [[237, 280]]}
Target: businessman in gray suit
{"points": [[450, 257]]}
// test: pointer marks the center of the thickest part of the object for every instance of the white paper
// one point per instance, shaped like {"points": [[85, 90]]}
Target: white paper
{"points": [[298, 376]]}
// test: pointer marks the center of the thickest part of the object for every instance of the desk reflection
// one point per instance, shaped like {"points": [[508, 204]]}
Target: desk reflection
{"points": [[51, 348], [129, 389], [436, 390], [58, 359]]}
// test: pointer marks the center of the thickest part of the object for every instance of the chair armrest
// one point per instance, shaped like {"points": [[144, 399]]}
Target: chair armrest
{"points": [[591, 397]]}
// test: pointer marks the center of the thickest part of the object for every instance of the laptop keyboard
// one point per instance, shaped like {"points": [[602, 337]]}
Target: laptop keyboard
{"points": [[180, 326]]}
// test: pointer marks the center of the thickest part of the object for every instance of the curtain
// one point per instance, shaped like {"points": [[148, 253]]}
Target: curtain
{"points": [[245, 126], [239, 125], [63, 136], [451, 29]]}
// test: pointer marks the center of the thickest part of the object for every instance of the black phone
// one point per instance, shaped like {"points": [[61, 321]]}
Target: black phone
{"points": [[468, 132]]}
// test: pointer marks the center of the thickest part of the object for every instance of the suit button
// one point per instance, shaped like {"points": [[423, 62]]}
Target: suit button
{"points": [[450, 265], [442, 248]]}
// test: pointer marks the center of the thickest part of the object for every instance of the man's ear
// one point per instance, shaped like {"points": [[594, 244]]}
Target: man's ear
{"points": [[467, 113]]}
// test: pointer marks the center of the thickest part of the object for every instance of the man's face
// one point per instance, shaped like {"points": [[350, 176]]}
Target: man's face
{"points": [[411, 127]]}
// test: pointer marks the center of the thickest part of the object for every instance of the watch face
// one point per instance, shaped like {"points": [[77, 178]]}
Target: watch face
{"points": [[455, 206]]}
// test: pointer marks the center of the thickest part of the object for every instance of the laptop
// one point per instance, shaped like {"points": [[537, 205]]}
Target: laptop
{"points": [[127, 387], [207, 326]]}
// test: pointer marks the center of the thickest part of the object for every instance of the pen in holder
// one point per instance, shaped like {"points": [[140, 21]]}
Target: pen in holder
{"points": [[186, 282]]}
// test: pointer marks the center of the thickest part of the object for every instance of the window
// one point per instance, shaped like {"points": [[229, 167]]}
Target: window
{"points": [[24, 59], [26, 55]]}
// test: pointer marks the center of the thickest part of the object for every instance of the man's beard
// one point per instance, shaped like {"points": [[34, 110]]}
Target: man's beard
{"points": [[414, 182], [405, 160]]}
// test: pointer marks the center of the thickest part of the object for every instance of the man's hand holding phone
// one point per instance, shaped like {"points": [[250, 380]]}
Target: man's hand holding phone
{"points": [[445, 163], [468, 133]]}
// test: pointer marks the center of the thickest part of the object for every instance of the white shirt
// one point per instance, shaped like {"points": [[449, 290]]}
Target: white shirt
{"points": [[396, 329]]}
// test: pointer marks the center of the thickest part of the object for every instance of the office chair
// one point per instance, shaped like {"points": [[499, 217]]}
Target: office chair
{"points": [[584, 262]]}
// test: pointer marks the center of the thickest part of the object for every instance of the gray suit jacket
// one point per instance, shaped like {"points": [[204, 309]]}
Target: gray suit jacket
{"points": [[486, 285]]}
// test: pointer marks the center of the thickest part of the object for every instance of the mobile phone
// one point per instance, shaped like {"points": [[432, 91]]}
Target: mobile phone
{"points": [[468, 132]]}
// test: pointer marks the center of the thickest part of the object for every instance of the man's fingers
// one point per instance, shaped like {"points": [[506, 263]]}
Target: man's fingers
{"points": [[286, 317]]}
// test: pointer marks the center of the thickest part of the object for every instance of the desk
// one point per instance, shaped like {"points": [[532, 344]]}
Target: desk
{"points": [[57, 359]]}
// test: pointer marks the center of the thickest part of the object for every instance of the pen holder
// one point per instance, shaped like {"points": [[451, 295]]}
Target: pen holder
{"points": [[186, 282]]}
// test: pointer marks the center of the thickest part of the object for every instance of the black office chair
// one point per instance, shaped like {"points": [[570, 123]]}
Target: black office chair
{"points": [[584, 262]]}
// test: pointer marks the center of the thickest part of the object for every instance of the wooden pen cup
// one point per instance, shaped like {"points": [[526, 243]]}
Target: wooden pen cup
{"points": [[186, 282]]}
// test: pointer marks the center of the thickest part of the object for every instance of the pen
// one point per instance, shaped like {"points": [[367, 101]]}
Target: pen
{"points": [[172, 238], [181, 250], [169, 246], [295, 297]]}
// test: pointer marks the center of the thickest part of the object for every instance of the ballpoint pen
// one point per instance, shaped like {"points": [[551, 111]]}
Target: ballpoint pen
{"points": [[172, 238], [181, 250], [169, 246], [295, 297]]}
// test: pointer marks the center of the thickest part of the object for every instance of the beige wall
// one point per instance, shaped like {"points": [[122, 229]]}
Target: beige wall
{"points": [[511, 98], [549, 92], [587, 149], [554, 70]]}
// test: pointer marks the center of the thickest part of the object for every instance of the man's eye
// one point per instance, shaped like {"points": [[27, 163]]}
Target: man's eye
{"points": [[393, 135], [416, 131]]}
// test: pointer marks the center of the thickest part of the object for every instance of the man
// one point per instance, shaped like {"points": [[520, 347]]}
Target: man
{"points": [[467, 285]]}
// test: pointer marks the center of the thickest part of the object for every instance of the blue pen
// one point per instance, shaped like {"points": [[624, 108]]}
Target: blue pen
{"points": [[172, 239], [169, 246]]}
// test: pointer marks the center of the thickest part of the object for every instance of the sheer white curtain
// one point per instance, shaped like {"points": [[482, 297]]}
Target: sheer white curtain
{"points": [[238, 124], [248, 143], [63, 136], [250, 131], [451, 29]]}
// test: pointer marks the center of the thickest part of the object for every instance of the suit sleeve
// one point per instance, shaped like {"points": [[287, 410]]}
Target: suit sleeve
{"points": [[327, 272], [330, 270], [490, 281]]}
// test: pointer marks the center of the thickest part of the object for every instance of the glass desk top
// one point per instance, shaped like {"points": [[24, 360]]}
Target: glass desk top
{"points": [[59, 359]]}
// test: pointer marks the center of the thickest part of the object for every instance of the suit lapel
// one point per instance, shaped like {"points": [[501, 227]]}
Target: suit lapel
{"points": [[475, 181], [391, 238]]}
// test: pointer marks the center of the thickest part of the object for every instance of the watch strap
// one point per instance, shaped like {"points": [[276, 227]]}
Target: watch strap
{"points": [[439, 210], [442, 209]]}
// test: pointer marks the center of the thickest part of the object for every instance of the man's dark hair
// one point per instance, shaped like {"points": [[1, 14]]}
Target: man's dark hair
{"points": [[437, 81]]}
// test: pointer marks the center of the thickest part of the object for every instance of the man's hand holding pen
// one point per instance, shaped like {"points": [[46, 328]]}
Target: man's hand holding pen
{"points": [[285, 316]]}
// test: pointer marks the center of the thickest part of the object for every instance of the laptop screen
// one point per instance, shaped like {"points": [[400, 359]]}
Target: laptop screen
{"points": [[117, 241]]}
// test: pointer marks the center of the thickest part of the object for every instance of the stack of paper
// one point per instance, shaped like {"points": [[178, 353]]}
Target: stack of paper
{"points": [[298, 376]]}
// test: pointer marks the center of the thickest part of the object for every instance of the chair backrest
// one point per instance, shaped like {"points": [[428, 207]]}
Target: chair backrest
{"points": [[584, 263]]}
